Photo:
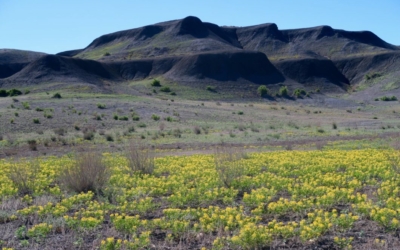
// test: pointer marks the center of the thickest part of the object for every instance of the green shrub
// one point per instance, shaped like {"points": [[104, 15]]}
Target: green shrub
{"points": [[101, 106], [39, 109], [123, 118], [388, 99], [26, 105], [88, 135], [3, 93], [373, 75], [263, 91], [211, 89], [155, 117], [36, 120], [165, 89], [57, 96], [109, 137], [14, 92], [115, 116], [142, 125], [283, 91], [299, 93], [32, 145], [240, 113], [156, 83]]}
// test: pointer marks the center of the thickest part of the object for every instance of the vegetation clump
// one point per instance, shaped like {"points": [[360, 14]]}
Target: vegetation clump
{"points": [[156, 83], [388, 98], [263, 91]]}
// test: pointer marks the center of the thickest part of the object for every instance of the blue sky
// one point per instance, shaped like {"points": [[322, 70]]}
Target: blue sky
{"points": [[55, 26]]}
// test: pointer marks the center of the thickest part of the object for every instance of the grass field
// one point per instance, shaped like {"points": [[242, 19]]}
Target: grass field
{"points": [[213, 171]]}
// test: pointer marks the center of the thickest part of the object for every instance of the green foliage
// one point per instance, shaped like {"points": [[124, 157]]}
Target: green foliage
{"points": [[57, 96], [299, 93], [26, 105], [101, 105], [156, 83], [165, 89], [14, 92], [36, 120], [373, 75], [123, 118], [155, 117], [3, 93], [283, 91], [263, 91], [211, 89], [388, 99]]}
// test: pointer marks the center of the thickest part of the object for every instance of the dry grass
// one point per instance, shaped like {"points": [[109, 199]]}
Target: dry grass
{"points": [[228, 165], [140, 158], [88, 173], [23, 174]]}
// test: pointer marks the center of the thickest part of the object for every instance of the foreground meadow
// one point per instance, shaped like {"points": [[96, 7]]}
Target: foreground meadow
{"points": [[330, 199]]}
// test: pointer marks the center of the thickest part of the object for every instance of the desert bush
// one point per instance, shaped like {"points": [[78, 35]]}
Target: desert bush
{"points": [[87, 173], [177, 133], [60, 131], [196, 130], [263, 91], [211, 89], [3, 93], [165, 89], [101, 106], [32, 145], [36, 120], [299, 93], [14, 92], [373, 75], [109, 137], [334, 125], [26, 105], [155, 117], [24, 175], [39, 109], [131, 129], [140, 158], [123, 118], [228, 165], [156, 83], [283, 91], [388, 99], [88, 135], [57, 96], [240, 113]]}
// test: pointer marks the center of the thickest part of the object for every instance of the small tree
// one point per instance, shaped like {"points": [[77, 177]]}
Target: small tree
{"points": [[263, 91]]}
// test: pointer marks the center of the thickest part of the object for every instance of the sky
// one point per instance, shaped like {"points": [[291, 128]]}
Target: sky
{"points": [[54, 26]]}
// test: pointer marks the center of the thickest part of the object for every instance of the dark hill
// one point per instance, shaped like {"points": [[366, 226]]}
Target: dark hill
{"points": [[12, 61], [53, 68], [190, 50]]}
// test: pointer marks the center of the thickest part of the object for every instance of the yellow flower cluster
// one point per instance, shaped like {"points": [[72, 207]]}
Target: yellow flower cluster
{"points": [[281, 195]]}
